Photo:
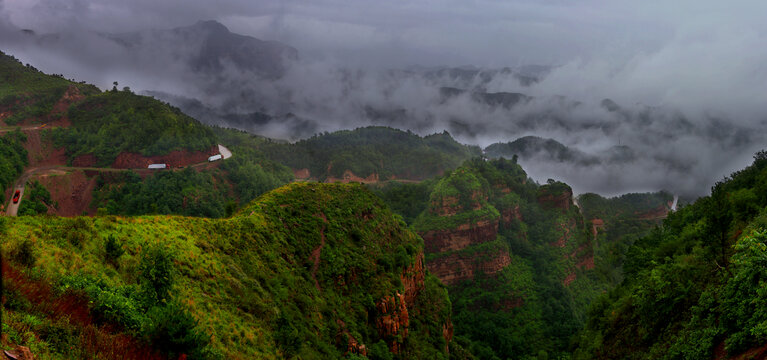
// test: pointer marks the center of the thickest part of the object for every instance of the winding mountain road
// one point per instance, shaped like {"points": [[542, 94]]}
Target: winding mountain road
{"points": [[13, 209]]}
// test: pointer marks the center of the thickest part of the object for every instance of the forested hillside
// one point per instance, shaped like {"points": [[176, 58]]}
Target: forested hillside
{"points": [[306, 271], [693, 288], [28, 94], [377, 153], [114, 122]]}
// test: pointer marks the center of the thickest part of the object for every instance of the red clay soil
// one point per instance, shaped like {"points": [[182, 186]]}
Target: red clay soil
{"points": [[317, 252], [72, 191], [71, 96], [101, 342], [58, 115], [176, 158], [87, 160], [41, 152]]}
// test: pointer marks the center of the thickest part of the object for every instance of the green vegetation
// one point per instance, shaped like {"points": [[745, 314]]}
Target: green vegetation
{"points": [[526, 311], [185, 192], [119, 121], [383, 151], [246, 286], [627, 205], [623, 224], [406, 199], [13, 158], [251, 172], [36, 200], [27, 93], [692, 284]]}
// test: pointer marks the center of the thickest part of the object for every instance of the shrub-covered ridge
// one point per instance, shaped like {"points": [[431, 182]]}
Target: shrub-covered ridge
{"points": [[302, 271]]}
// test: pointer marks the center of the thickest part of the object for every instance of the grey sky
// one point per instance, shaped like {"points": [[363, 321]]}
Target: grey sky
{"points": [[691, 76], [400, 32]]}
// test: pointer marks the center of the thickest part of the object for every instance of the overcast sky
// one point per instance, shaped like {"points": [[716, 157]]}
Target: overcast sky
{"points": [[698, 67], [426, 32]]}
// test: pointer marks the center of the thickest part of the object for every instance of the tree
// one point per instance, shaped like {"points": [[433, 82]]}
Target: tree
{"points": [[156, 274], [113, 249]]}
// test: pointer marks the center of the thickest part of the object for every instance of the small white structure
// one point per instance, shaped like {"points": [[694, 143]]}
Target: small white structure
{"points": [[158, 166], [214, 158]]}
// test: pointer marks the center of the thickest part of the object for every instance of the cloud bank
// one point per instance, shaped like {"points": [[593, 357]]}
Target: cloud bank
{"points": [[686, 81]]}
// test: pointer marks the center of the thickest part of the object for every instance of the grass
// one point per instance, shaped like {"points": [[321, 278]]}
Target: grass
{"points": [[248, 278]]}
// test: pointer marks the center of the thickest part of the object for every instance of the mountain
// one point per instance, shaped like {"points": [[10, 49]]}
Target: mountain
{"points": [[441, 253], [209, 47], [533, 147], [370, 154]]}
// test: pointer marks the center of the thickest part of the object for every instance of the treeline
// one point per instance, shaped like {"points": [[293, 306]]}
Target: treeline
{"points": [[694, 284], [186, 192], [383, 151]]}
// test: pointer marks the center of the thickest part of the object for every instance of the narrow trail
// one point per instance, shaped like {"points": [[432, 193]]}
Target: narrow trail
{"points": [[318, 251]]}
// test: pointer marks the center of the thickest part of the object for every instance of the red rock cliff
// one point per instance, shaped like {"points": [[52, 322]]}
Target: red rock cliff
{"points": [[461, 237], [561, 201], [412, 278], [392, 320], [457, 267]]}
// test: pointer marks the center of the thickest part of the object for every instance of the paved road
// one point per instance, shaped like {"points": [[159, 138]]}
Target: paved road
{"points": [[22, 181], [225, 153], [13, 209]]}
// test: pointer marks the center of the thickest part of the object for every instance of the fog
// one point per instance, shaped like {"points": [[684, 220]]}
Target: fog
{"points": [[686, 82]]}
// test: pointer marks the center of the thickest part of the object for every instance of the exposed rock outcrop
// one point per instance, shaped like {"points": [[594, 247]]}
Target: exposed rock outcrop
{"points": [[392, 320], [464, 235], [562, 200], [352, 344], [412, 278], [457, 267]]}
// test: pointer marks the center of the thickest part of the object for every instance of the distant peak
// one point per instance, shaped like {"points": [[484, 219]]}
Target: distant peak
{"points": [[211, 25]]}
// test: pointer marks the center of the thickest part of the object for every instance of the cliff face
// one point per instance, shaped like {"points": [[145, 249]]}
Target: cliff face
{"points": [[464, 220], [412, 279], [393, 311], [437, 241], [555, 198], [457, 267], [392, 320]]}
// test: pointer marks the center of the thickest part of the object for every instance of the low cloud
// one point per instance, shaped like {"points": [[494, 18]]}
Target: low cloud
{"points": [[685, 81]]}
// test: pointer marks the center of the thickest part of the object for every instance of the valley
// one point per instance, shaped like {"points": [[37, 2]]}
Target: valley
{"points": [[152, 225]]}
